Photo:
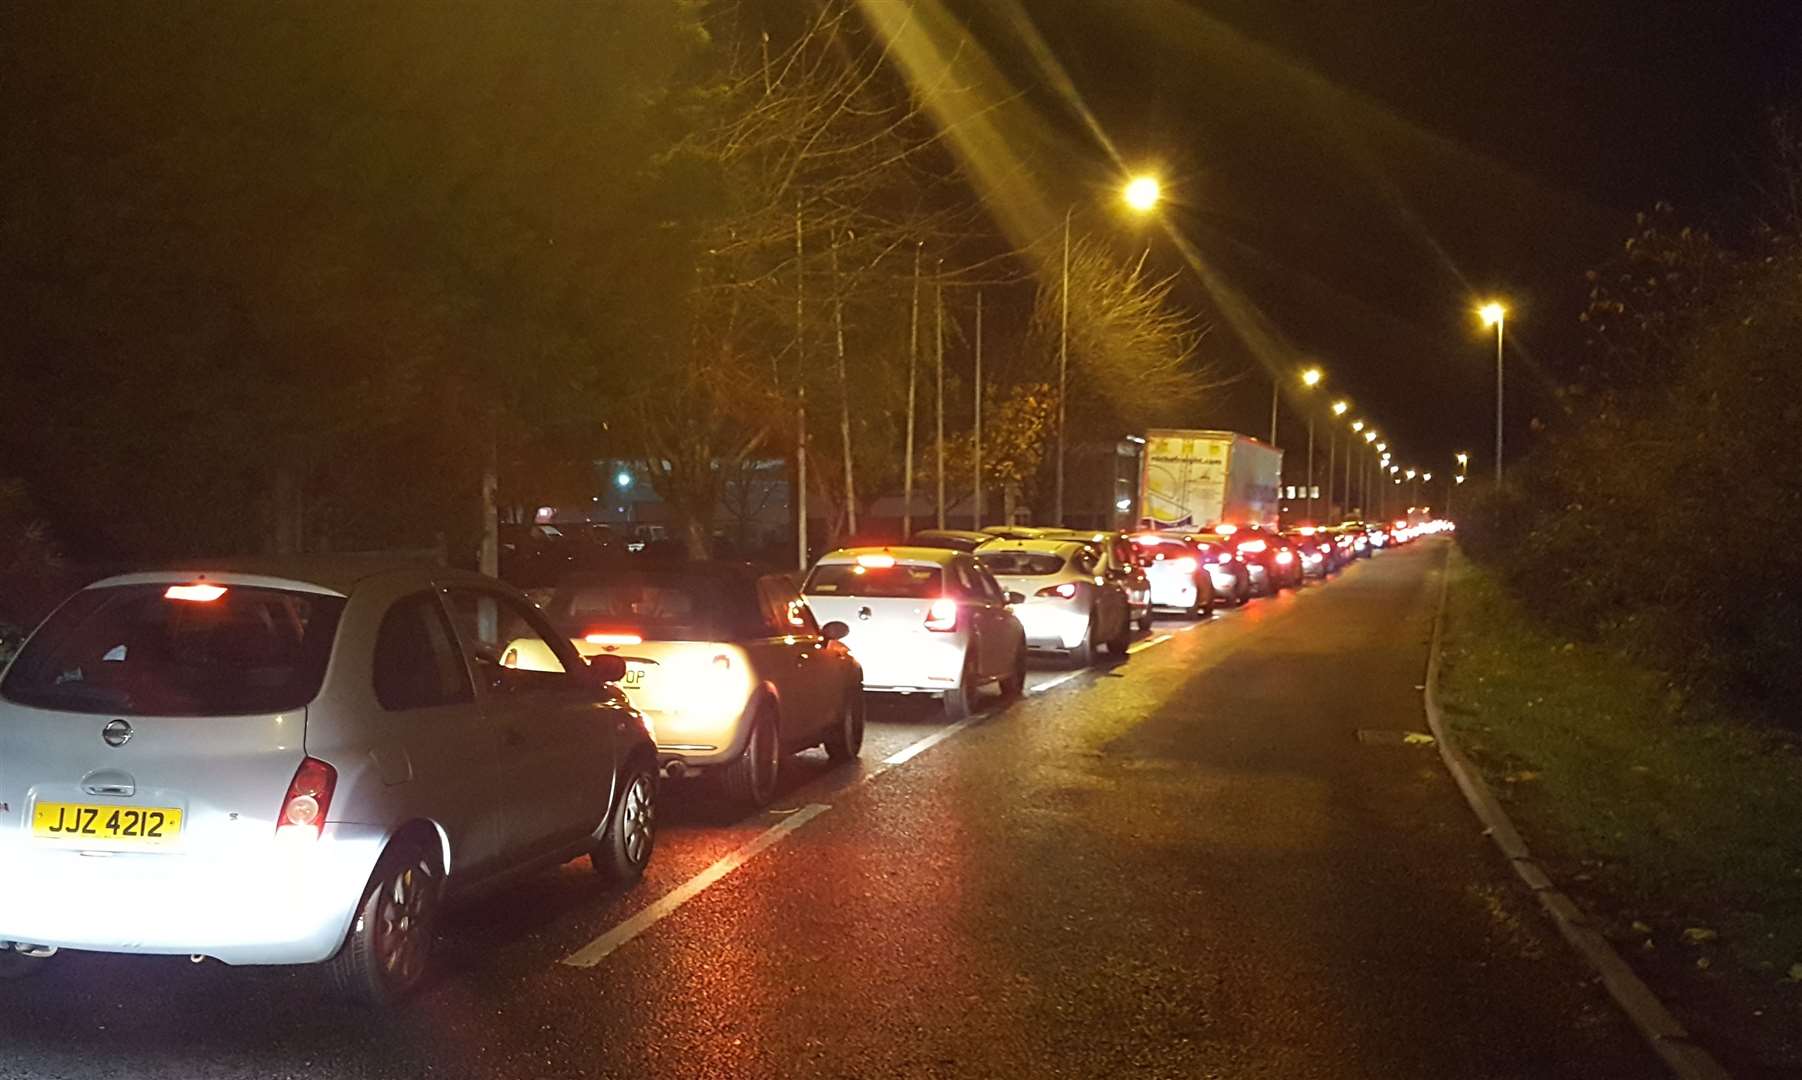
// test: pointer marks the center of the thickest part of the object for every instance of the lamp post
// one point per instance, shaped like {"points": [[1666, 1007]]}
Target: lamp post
{"points": [[1310, 379], [1494, 314], [1351, 448], [1339, 408], [1364, 475], [1142, 194]]}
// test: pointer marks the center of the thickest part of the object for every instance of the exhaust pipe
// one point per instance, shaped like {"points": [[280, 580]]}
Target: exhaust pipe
{"points": [[675, 770]]}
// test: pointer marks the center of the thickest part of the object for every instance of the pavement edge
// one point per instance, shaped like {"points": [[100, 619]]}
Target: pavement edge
{"points": [[1661, 1030]]}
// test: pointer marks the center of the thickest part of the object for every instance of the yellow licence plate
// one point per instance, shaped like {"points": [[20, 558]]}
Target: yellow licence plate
{"points": [[134, 825]]}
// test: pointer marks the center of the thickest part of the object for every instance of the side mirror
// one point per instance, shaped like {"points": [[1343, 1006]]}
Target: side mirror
{"points": [[1016, 597], [835, 630], [606, 668]]}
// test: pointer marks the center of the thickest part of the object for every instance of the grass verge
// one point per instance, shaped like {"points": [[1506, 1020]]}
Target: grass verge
{"points": [[1678, 829]]}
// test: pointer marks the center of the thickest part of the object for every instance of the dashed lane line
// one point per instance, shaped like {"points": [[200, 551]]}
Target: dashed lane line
{"points": [[604, 946]]}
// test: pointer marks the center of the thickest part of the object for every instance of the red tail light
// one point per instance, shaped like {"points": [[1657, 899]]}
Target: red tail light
{"points": [[610, 637], [942, 615], [1066, 591], [1185, 565], [1284, 558], [309, 797]]}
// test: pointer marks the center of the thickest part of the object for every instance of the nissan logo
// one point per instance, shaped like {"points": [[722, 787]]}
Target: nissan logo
{"points": [[116, 733]]}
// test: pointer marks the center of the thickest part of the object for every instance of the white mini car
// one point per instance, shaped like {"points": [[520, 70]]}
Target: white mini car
{"points": [[296, 761], [922, 621]]}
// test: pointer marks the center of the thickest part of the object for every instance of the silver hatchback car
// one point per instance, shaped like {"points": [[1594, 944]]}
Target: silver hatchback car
{"points": [[295, 762]]}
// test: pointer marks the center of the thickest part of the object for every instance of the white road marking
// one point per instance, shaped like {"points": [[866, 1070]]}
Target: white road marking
{"points": [[1054, 683], [1147, 643], [600, 948], [908, 753]]}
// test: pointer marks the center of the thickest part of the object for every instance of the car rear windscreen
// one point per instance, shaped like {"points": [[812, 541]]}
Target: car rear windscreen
{"points": [[1021, 563], [853, 579], [671, 606], [146, 650]]}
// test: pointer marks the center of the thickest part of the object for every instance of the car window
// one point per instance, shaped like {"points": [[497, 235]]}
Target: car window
{"points": [[1022, 563], [1085, 560], [417, 662], [178, 650], [660, 605], [504, 644], [991, 589], [783, 609], [854, 579]]}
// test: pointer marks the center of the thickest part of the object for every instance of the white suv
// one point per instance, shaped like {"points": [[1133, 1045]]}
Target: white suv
{"points": [[296, 762]]}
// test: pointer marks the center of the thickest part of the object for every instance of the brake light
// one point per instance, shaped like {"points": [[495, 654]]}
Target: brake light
{"points": [[876, 562], [942, 615], [1252, 547], [1066, 591], [1186, 565], [1225, 557], [309, 797], [195, 594], [1226, 530], [602, 638], [1283, 558]]}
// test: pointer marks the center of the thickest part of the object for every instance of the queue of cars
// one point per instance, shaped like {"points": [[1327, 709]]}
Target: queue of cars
{"points": [[300, 761]]}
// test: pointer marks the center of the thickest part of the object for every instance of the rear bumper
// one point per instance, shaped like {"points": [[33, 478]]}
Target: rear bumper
{"points": [[1178, 593], [929, 663], [1052, 624], [269, 903]]}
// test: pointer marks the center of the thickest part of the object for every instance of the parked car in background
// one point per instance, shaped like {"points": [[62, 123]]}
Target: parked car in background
{"points": [[1119, 562], [1252, 546], [1231, 573], [726, 662], [1180, 577], [1315, 548], [1068, 603], [297, 761], [922, 621], [1287, 558]]}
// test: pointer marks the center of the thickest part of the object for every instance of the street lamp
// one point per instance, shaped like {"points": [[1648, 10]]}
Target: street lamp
{"points": [[1142, 194], [1494, 314], [1310, 379], [1332, 447]]}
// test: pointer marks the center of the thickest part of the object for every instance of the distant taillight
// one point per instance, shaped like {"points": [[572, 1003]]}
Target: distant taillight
{"points": [[1284, 558], [1186, 565], [309, 797], [942, 615], [602, 637], [1066, 591], [1225, 557]]}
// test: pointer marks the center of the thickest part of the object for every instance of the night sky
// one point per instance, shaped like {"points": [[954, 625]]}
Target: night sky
{"points": [[1362, 169]]}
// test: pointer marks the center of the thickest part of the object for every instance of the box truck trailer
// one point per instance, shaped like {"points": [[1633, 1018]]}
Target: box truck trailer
{"points": [[1192, 479]]}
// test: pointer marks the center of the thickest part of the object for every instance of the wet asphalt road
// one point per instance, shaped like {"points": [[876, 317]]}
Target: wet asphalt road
{"points": [[1183, 865]]}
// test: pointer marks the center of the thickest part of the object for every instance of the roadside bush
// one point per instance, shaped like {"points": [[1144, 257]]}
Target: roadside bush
{"points": [[1668, 522]]}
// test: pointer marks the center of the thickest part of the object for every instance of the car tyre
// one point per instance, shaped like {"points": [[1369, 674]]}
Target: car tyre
{"points": [[960, 704], [624, 847], [845, 741], [1014, 685], [1084, 654], [1148, 620], [750, 781], [386, 955], [1117, 645]]}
